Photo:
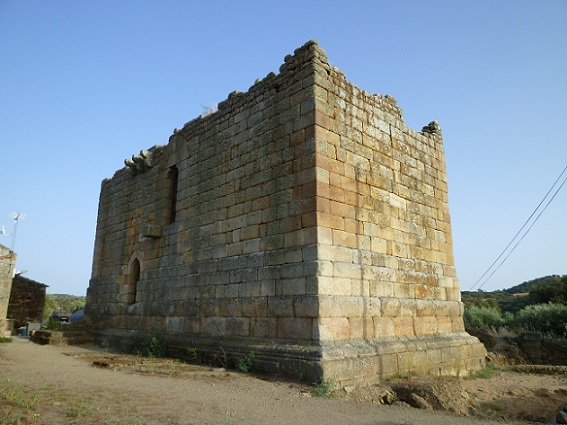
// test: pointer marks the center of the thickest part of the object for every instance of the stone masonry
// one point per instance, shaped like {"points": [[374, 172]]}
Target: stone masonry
{"points": [[27, 300], [7, 264], [302, 221]]}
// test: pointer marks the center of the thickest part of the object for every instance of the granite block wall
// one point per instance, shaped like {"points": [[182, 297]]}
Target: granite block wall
{"points": [[27, 300], [7, 264], [303, 220]]}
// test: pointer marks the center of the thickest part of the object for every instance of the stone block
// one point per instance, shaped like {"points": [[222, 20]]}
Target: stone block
{"points": [[384, 327], [215, 326], [333, 328], [404, 326], [335, 253], [263, 327], [347, 270], [280, 306], [391, 307], [230, 307], [361, 327], [300, 328], [175, 324], [292, 286], [334, 286], [331, 221], [347, 238], [238, 326], [307, 306], [425, 325], [444, 324], [192, 325], [254, 307], [353, 306]]}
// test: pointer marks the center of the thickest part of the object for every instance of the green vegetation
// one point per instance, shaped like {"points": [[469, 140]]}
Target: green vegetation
{"points": [[195, 355], [538, 284], [538, 291], [549, 319], [541, 308], [153, 345], [486, 372], [21, 404], [476, 317], [53, 324], [157, 346], [245, 364], [4, 339], [325, 388], [71, 303]]}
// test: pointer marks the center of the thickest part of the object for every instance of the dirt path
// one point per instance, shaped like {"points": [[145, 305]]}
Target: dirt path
{"points": [[62, 386]]}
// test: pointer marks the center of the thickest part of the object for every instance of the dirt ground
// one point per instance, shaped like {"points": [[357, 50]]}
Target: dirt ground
{"points": [[82, 385]]}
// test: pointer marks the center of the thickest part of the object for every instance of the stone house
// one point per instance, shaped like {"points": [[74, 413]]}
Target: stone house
{"points": [[7, 264], [27, 300], [302, 221]]}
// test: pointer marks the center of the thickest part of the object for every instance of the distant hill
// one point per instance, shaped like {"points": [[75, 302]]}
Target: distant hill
{"points": [[537, 291], [532, 284]]}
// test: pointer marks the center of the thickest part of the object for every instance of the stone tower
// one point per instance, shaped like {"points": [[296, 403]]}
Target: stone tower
{"points": [[303, 221]]}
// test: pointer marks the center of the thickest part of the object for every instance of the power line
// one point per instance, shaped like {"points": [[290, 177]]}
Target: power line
{"points": [[519, 231]]}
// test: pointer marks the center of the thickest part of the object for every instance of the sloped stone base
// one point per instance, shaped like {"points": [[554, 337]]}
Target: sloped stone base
{"points": [[371, 361], [345, 362]]}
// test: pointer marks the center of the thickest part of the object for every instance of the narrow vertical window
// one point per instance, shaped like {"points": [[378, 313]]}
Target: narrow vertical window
{"points": [[173, 185], [131, 290]]}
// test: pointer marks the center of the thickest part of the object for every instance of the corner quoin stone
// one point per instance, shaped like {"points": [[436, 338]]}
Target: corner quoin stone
{"points": [[303, 221]]}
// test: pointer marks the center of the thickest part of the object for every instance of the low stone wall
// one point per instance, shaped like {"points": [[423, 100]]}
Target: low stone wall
{"points": [[539, 349], [532, 347], [45, 337]]}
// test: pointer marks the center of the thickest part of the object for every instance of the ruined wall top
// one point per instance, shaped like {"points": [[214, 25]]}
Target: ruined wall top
{"points": [[308, 55]]}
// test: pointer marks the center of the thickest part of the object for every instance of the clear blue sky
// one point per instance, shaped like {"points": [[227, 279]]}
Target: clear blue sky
{"points": [[85, 84]]}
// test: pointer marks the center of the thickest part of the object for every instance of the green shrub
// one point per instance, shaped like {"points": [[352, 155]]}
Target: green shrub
{"points": [[549, 319], [157, 346], [245, 364], [153, 345], [53, 324], [483, 318]]}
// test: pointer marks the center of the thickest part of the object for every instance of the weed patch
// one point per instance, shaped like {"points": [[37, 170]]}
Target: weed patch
{"points": [[245, 365], [486, 372], [325, 388], [21, 404], [153, 345]]}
